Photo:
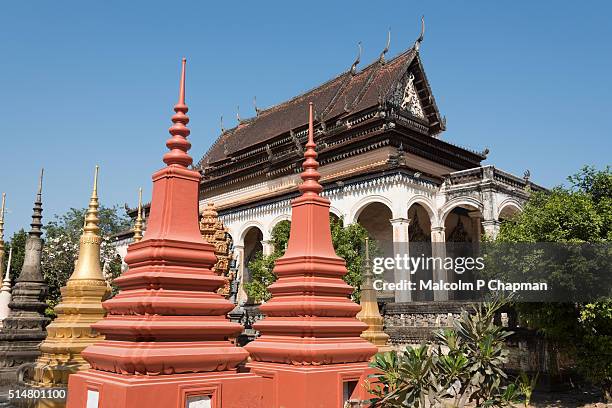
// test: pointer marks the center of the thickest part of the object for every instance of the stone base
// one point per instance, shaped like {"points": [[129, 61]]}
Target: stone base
{"points": [[324, 386], [228, 389]]}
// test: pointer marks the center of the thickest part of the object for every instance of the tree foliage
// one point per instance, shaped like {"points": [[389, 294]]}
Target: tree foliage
{"points": [[17, 242], [580, 213], [61, 248], [348, 242]]}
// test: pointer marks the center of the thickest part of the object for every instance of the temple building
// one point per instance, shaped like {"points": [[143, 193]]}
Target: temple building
{"points": [[384, 164]]}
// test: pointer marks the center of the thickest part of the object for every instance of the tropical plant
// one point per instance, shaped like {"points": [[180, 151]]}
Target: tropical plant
{"points": [[466, 364]]}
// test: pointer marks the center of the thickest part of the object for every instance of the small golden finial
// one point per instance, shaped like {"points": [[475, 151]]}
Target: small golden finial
{"points": [[88, 263], [138, 223]]}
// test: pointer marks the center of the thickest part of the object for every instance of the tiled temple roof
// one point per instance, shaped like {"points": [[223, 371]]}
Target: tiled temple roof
{"points": [[341, 96]]}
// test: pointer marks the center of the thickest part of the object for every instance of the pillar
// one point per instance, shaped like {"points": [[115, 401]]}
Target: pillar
{"points": [[438, 251], [401, 247], [491, 228], [268, 247]]}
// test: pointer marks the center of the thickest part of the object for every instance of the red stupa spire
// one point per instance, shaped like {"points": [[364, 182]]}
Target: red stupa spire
{"points": [[310, 338], [178, 143], [167, 330]]}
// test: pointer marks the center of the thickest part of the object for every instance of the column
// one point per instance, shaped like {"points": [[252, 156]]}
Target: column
{"points": [[400, 247], [438, 251], [476, 218], [268, 247], [491, 228], [241, 296]]}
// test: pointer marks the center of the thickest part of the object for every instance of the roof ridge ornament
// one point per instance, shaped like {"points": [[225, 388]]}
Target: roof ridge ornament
{"points": [[381, 59], [257, 110], [357, 60], [417, 43], [178, 143], [238, 114]]}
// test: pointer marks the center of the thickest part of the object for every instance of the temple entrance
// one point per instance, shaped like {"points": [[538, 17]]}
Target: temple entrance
{"points": [[375, 218], [252, 244], [419, 237]]}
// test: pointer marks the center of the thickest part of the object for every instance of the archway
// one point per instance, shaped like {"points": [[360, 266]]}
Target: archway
{"points": [[463, 232], [375, 218], [252, 245], [419, 238]]}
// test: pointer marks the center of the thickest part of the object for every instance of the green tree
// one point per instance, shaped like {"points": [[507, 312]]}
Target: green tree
{"points": [[61, 247], [581, 213], [348, 242], [17, 242]]}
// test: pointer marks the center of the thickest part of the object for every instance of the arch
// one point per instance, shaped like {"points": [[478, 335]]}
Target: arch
{"points": [[469, 202], [364, 202], [282, 217], [335, 211], [511, 205], [246, 227], [426, 203]]}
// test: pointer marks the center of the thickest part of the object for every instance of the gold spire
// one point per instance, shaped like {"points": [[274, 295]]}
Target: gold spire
{"points": [[369, 313], [88, 264], [138, 224]]}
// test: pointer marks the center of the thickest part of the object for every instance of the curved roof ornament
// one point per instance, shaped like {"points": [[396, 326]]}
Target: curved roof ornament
{"points": [[417, 43], [257, 110], [357, 60], [386, 50], [221, 122], [238, 114]]}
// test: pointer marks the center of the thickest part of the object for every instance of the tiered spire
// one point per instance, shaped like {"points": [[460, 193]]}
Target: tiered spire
{"points": [[2, 251], [178, 143], [79, 308], [88, 263], [5, 291], [167, 318], [310, 319], [138, 223], [31, 270], [369, 313], [24, 328], [36, 223]]}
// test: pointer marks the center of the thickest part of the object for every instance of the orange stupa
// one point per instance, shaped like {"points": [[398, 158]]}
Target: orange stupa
{"points": [[167, 335], [310, 352]]}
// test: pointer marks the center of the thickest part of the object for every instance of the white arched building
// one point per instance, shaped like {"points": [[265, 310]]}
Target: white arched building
{"points": [[383, 164]]}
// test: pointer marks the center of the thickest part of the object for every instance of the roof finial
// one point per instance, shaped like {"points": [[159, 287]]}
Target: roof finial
{"points": [[238, 113], [257, 110], [310, 175], [221, 122], [417, 43], [178, 143], [357, 60], [138, 223], [37, 210], [386, 50]]}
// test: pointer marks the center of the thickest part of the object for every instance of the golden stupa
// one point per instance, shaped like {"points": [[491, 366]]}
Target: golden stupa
{"points": [[80, 307], [369, 313], [215, 233]]}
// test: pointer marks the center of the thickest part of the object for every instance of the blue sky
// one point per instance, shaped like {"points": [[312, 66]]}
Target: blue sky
{"points": [[86, 83]]}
